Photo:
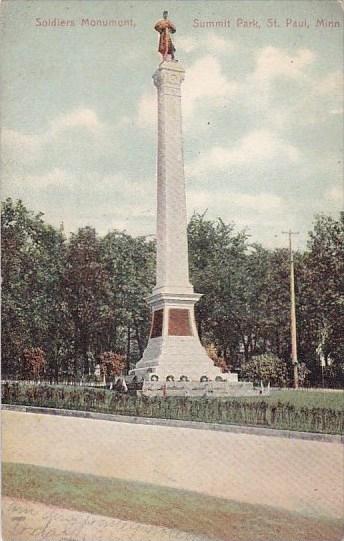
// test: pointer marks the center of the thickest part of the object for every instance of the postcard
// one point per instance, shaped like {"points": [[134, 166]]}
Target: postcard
{"points": [[172, 260]]}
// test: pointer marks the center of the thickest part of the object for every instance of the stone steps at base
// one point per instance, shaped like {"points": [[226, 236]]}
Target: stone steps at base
{"points": [[200, 394], [193, 388]]}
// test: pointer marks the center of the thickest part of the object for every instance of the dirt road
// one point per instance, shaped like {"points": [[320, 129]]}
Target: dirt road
{"points": [[298, 475], [24, 521]]}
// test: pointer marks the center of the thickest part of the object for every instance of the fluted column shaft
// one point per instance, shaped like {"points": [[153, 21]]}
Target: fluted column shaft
{"points": [[172, 274]]}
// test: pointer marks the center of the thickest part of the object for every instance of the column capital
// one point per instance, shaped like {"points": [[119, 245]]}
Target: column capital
{"points": [[170, 74]]}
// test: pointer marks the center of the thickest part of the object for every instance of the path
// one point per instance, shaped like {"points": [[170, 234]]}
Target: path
{"points": [[297, 475], [29, 521]]}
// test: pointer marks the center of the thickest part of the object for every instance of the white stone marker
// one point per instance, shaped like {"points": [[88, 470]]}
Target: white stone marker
{"points": [[174, 349]]}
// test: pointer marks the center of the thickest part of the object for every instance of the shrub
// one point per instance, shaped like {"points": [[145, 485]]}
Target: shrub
{"points": [[111, 364], [216, 358], [266, 368], [334, 375], [304, 373], [34, 362], [283, 415]]}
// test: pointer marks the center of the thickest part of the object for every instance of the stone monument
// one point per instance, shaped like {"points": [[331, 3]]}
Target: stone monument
{"points": [[174, 352]]}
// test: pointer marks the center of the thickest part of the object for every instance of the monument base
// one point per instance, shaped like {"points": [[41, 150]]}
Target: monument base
{"points": [[210, 389], [174, 352], [179, 358]]}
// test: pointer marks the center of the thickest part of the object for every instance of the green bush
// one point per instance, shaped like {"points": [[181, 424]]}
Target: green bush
{"points": [[267, 368], [252, 412]]}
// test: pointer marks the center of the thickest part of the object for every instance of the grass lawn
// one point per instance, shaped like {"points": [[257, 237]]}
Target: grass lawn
{"points": [[310, 399], [308, 411], [184, 510]]}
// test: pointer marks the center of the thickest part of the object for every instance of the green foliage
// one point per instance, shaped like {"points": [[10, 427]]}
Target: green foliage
{"points": [[217, 255], [130, 264], [73, 298], [254, 412], [246, 291], [84, 289], [267, 368], [333, 375], [307, 398], [78, 297], [322, 306], [303, 373], [33, 314], [201, 515], [111, 364], [33, 362]]}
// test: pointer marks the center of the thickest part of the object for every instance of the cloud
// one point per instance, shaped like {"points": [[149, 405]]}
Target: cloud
{"points": [[76, 138], [26, 183], [205, 84], [335, 194], [210, 42], [263, 214], [187, 44], [331, 84], [19, 144], [314, 100], [147, 110], [257, 146], [199, 200], [261, 90], [90, 182], [56, 177], [29, 146], [71, 196], [86, 119], [218, 44], [322, 97], [272, 63]]}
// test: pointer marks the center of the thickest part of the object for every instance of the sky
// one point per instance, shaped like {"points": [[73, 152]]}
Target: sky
{"points": [[262, 109]]}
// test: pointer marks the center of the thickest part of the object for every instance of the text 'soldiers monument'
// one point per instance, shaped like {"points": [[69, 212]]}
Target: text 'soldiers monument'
{"points": [[174, 350]]}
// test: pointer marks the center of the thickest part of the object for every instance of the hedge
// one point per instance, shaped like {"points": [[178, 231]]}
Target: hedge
{"points": [[210, 410]]}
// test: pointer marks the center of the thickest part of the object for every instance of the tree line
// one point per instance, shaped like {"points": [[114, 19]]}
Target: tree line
{"points": [[75, 299]]}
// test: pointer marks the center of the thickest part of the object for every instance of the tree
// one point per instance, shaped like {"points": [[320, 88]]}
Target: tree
{"points": [[322, 318], [76, 298], [275, 309], [86, 294], [266, 368], [111, 364], [216, 257], [32, 259], [216, 358], [130, 264], [34, 362], [246, 291], [303, 374]]}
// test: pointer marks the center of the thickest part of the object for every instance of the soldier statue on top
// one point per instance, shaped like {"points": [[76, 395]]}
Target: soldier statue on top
{"points": [[165, 28]]}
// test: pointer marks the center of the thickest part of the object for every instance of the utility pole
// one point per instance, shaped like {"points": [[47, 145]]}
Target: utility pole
{"points": [[292, 310], [128, 347]]}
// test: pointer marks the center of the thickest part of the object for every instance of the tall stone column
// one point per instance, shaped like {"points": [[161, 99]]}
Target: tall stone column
{"points": [[172, 273], [174, 349]]}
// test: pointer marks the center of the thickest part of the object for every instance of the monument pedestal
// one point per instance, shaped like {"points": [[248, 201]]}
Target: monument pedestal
{"points": [[174, 351]]}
